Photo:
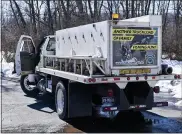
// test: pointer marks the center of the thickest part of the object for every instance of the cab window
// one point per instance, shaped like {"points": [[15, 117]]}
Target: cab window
{"points": [[28, 46], [51, 46]]}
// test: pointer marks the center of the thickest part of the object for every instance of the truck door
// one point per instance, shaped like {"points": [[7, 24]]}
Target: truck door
{"points": [[25, 55]]}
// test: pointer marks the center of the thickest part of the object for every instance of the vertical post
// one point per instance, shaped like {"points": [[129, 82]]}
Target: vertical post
{"points": [[53, 62], [66, 64], [81, 62], [74, 65], [60, 64], [44, 61], [91, 68]]}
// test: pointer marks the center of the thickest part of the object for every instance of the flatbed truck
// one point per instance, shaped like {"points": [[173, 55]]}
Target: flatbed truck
{"points": [[103, 68]]}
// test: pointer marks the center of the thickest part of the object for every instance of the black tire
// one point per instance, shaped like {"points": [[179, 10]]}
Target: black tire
{"points": [[60, 88], [32, 93]]}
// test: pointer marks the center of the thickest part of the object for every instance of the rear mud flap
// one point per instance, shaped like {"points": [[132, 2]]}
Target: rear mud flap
{"points": [[149, 100], [79, 100], [123, 103]]}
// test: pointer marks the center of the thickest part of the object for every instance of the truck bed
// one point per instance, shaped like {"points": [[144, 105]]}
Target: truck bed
{"points": [[127, 44]]}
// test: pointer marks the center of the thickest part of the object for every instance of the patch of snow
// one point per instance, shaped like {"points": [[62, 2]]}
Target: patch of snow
{"points": [[7, 68], [178, 92], [2, 55], [165, 86], [171, 103], [164, 56], [179, 103], [175, 86]]}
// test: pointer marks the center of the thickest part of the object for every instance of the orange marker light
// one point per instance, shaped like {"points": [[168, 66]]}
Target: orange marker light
{"points": [[115, 16]]}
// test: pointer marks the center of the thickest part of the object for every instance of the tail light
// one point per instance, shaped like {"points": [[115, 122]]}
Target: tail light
{"points": [[156, 89], [92, 80], [107, 109], [116, 78], [110, 108], [110, 93], [177, 76]]}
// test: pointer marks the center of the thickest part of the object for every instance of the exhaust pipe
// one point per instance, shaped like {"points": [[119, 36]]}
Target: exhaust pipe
{"points": [[169, 70], [166, 70]]}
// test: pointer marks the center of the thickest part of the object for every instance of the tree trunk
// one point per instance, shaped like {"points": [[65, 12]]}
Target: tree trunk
{"points": [[153, 9], [11, 5], [67, 15], [142, 7], [90, 9], [33, 18], [50, 20], [20, 14], [132, 8], [127, 9]]}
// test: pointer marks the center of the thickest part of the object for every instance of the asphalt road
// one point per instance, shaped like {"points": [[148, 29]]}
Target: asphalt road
{"points": [[24, 114]]}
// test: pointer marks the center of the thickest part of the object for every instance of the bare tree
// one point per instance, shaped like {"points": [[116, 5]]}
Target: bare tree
{"points": [[11, 5], [20, 14], [50, 20], [59, 14], [66, 12]]}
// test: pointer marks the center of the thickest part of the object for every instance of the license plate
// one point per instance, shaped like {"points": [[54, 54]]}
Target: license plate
{"points": [[108, 100], [135, 71]]}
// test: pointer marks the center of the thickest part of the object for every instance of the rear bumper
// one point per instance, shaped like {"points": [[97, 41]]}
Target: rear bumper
{"points": [[136, 78], [111, 111], [135, 107], [160, 104]]}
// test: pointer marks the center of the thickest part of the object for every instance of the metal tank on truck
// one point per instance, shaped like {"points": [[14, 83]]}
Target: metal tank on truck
{"points": [[97, 69]]}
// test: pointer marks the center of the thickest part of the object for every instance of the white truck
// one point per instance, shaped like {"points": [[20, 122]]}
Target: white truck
{"points": [[101, 68]]}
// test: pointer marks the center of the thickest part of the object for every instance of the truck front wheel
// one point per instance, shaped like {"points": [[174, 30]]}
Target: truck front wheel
{"points": [[61, 100], [29, 90]]}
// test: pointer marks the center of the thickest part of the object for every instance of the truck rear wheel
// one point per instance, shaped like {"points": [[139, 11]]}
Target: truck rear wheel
{"points": [[61, 100], [28, 89]]}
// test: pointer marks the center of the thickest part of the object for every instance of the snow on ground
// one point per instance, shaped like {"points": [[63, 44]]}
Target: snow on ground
{"points": [[179, 103], [173, 87], [6, 68]]}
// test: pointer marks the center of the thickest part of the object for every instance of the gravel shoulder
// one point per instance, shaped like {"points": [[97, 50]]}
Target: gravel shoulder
{"points": [[24, 114]]}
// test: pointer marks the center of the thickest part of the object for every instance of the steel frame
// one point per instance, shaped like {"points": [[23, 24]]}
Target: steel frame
{"points": [[91, 78]]}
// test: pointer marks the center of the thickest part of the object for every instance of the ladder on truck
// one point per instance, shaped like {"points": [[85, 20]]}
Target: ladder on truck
{"points": [[81, 69]]}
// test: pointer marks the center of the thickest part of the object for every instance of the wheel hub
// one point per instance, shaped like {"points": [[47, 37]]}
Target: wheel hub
{"points": [[60, 101], [27, 86]]}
